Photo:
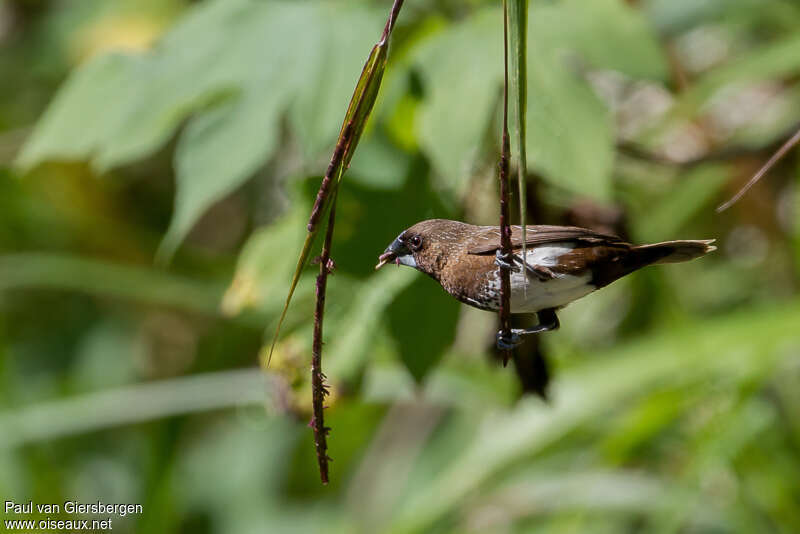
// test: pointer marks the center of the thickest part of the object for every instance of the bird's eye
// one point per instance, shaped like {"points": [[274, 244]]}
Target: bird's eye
{"points": [[415, 242]]}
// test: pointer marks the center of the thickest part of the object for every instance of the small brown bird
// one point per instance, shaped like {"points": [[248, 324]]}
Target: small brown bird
{"points": [[561, 264]]}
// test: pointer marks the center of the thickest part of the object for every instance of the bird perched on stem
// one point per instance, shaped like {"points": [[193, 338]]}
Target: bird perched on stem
{"points": [[562, 264]]}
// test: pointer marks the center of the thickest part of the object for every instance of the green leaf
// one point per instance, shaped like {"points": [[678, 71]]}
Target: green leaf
{"points": [[570, 133], [349, 349], [454, 116], [247, 61], [423, 321], [777, 59], [570, 136], [106, 279], [606, 34], [720, 349], [695, 190], [675, 16], [518, 94], [260, 274], [219, 151], [77, 107]]}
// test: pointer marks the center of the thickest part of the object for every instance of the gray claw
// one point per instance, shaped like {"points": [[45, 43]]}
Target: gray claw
{"points": [[507, 343], [505, 262]]}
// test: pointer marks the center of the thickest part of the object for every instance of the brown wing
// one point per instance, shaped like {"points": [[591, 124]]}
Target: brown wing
{"points": [[488, 239]]}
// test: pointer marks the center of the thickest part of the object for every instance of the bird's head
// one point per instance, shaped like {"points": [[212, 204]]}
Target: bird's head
{"points": [[426, 246]]}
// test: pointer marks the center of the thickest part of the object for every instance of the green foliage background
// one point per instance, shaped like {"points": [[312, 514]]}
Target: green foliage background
{"points": [[195, 133]]}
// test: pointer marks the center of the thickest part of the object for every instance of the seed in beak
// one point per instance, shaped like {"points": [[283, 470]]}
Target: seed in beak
{"points": [[384, 259]]}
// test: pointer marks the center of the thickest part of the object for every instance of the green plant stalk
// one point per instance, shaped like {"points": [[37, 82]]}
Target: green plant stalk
{"points": [[358, 112], [517, 14]]}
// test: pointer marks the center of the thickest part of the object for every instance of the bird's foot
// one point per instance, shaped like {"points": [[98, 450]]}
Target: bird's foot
{"points": [[507, 341], [548, 321], [506, 261]]}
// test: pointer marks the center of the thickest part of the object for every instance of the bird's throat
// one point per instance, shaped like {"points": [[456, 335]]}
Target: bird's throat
{"points": [[406, 259]]}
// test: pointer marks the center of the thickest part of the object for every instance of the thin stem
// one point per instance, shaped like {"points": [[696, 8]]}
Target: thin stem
{"points": [[505, 229], [518, 44], [779, 155], [387, 30], [318, 386], [356, 117], [333, 167]]}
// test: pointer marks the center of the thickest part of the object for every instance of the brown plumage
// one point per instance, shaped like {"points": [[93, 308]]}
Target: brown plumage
{"points": [[563, 263]]}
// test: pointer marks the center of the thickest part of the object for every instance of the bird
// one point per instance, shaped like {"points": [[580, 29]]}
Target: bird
{"points": [[561, 264]]}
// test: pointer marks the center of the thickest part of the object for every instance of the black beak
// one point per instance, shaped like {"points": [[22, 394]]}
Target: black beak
{"points": [[392, 252]]}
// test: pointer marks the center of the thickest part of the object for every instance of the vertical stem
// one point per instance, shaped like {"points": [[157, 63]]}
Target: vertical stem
{"points": [[505, 229], [518, 43], [318, 386]]}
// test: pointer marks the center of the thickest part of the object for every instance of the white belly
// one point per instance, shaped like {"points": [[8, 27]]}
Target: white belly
{"points": [[554, 293]]}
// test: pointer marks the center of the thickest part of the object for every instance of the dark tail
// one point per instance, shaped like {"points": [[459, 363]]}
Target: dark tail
{"points": [[673, 251]]}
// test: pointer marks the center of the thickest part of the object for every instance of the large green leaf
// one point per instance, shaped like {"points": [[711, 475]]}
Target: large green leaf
{"points": [[606, 34], [247, 62], [722, 349], [423, 320], [570, 139], [462, 69], [675, 16], [570, 133], [775, 60], [230, 141]]}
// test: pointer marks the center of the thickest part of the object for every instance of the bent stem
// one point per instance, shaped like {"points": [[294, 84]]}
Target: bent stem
{"points": [[355, 119], [358, 112], [776, 157]]}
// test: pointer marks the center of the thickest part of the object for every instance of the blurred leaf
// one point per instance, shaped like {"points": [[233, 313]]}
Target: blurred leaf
{"points": [[777, 59], [608, 34], [103, 278], [262, 269], [570, 137], [379, 165], [674, 16], [724, 347], [132, 404], [76, 106], [219, 150], [543, 493], [118, 109], [354, 335], [470, 52], [697, 189], [570, 132], [423, 320]]}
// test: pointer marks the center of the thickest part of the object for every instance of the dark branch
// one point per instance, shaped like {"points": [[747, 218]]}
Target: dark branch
{"points": [[357, 114], [505, 229], [318, 386], [776, 157]]}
